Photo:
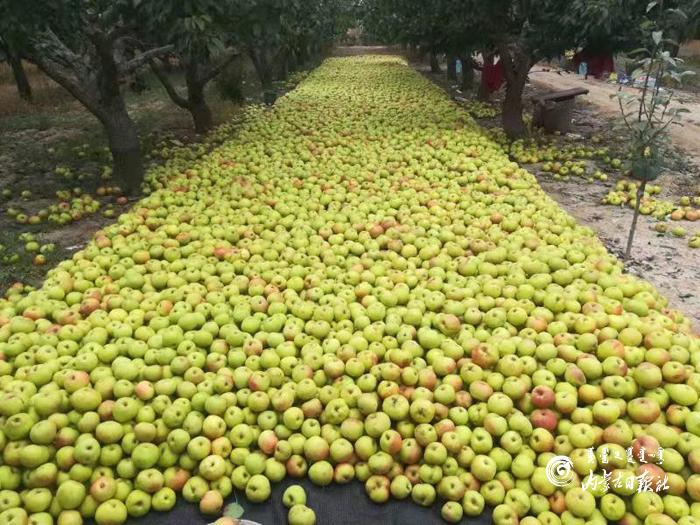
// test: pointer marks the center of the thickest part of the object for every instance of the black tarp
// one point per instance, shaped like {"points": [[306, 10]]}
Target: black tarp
{"points": [[333, 505]]}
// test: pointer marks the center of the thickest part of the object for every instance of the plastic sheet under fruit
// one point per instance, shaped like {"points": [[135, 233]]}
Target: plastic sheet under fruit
{"points": [[333, 505]]}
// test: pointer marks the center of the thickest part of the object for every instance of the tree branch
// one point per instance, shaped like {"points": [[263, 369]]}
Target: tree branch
{"points": [[143, 59], [49, 45], [214, 70], [118, 32], [65, 68], [168, 85]]}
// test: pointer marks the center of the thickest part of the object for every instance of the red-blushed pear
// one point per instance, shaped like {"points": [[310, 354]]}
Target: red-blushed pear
{"points": [[544, 418], [343, 473], [175, 478], [211, 502], [390, 441], [542, 396], [267, 442], [103, 488], [643, 410], [296, 466], [645, 449], [557, 504]]}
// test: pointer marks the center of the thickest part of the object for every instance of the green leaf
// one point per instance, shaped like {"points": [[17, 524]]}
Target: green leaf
{"points": [[234, 510], [651, 5], [656, 36]]}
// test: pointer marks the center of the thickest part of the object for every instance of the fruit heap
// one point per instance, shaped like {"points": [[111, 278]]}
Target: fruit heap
{"points": [[32, 248], [625, 193], [479, 109], [561, 160], [359, 285]]}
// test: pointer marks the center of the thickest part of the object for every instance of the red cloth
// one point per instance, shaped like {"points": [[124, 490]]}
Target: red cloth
{"points": [[598, 65], [493, 76]]}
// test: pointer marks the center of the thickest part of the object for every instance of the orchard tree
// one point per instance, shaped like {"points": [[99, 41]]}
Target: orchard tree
{"points": [[14, 59], [202, 46], [648, 114], [519, 32], [680, 20], [522, 33], [310, 26], [420, 24], [89, 48], [282, 34], [257, 26]]}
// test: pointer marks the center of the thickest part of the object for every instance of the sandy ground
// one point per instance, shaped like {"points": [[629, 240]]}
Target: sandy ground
{"points": [[686, 134]]}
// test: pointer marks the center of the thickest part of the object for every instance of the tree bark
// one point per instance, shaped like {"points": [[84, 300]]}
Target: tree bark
{"points": [[513, 123], [467, 72], [434, 63], [202, 117], [516, 66], [262, 68], [302, 55], [633, 227], [282, 69], [293, 61], [451, 67], [198, 107], [93, 77], [196, 78], [483, 93], [24, 89], [125, 146]]}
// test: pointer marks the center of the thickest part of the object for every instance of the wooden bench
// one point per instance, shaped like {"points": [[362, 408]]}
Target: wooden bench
{"points": [[553, 110], [561, 96]]}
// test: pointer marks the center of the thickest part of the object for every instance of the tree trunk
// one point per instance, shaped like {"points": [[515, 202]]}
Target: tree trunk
{"points": [[516, 66], [434, 63], [125, 146], [513, 123], [23, 87], [198, 108], [201, 116], [451, 67], [262, 68], [633, 228], [196, 79], [95, 83], [282, 69], [302, 55], [467, 73], [483, 93], [293, 62]]}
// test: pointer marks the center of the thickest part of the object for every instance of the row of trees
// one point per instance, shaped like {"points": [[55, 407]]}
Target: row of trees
{"points": [[92, 47], [523, 32]]}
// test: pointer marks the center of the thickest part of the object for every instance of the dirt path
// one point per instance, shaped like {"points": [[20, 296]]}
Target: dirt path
{"points": [[686, 135]]}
